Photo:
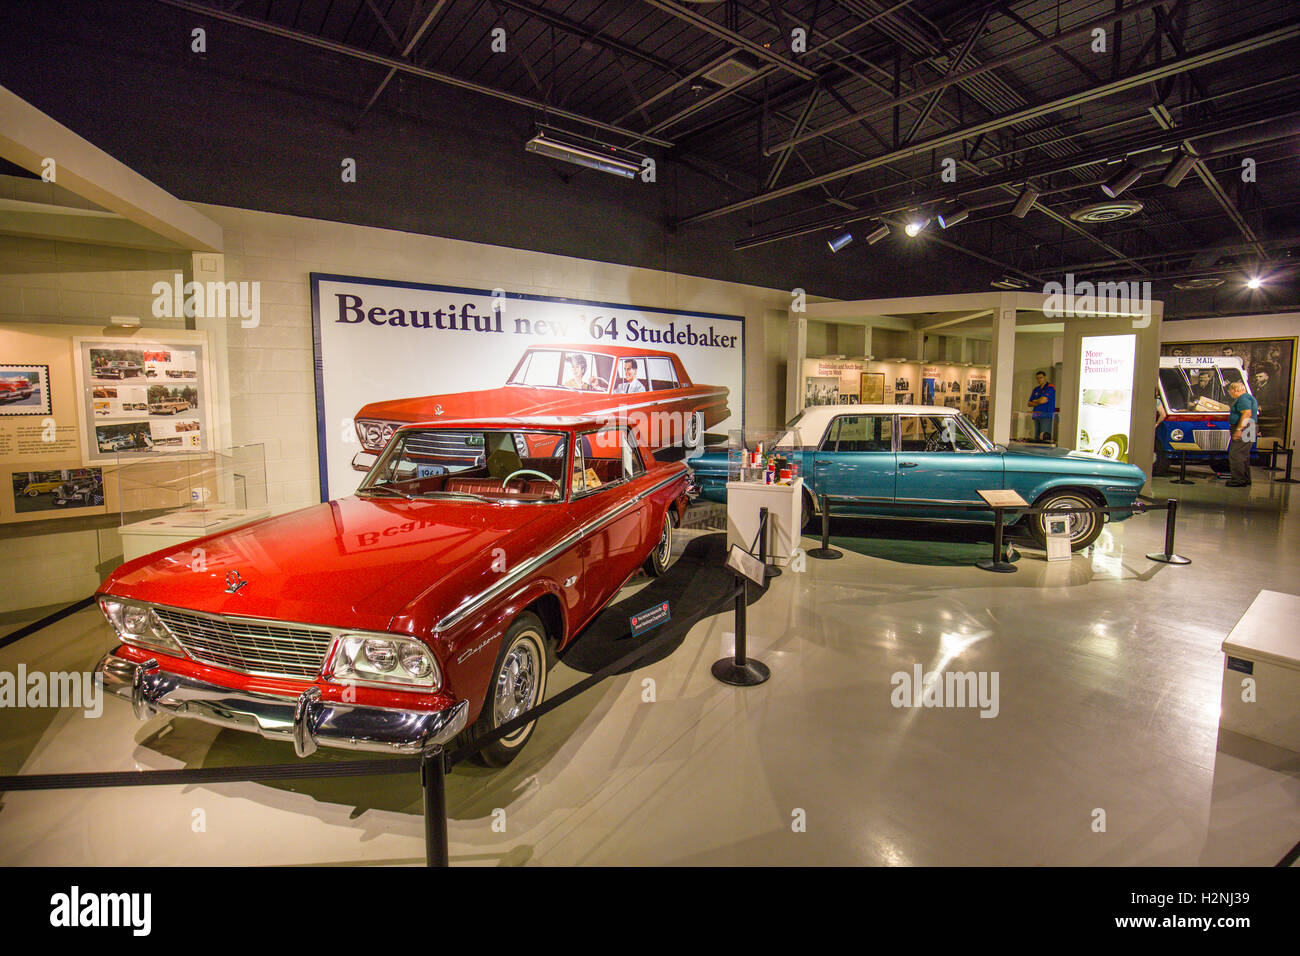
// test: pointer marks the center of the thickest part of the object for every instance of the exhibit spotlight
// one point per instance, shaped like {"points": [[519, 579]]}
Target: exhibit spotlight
{"points": [[1180, 167], [953, 216], [840, 241], [1254, 282], [1122, 181], [915, 226], [878, 234], [1028, 196]]}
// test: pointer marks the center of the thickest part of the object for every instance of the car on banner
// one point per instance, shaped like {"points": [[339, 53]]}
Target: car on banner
{"points": [[650, 388], [1104, 416], [864, 457], [1194, 391], [429, 604]]}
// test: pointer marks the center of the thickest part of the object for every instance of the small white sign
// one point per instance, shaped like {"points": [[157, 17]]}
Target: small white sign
{"points": [[1058, 537], [1004, 498]]}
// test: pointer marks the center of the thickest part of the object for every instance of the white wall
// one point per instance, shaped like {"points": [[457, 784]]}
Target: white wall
{"points": [[1284, 325]]}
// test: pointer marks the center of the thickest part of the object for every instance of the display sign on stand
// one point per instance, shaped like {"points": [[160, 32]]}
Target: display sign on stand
{"points": [[1106, 371]]}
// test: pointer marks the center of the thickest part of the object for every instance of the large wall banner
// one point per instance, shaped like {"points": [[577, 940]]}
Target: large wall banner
{"points": [[389, 353]]}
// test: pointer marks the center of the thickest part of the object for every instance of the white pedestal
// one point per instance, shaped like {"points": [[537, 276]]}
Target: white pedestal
{"points": [[784, 504], [1264, 645], [154, 534]]}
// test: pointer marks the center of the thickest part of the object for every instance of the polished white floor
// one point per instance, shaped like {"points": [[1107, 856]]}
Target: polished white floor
{"points": [[1109, 669]]}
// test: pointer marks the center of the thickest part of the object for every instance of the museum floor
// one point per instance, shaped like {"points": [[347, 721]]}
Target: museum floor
{"points": [[1109, 680]]}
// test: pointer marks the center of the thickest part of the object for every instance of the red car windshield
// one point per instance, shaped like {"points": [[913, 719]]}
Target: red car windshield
{"points": [[485, 464]]}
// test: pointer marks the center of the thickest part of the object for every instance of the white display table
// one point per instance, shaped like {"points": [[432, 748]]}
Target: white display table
{"points": [[1264, 645], [153, 534], [784, 504]]}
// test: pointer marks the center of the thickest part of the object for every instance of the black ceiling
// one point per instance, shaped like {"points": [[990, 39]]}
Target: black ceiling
{"points": [[854, 129]]}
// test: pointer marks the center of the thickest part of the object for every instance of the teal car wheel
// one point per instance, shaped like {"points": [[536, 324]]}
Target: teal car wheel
{"points": [[1084, 526]]}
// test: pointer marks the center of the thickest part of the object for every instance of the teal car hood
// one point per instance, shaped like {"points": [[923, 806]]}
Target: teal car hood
{"points": [[1069, 461]]}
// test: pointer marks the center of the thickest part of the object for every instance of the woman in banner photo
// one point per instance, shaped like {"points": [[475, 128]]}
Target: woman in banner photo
{"points": [[1043, 401]]}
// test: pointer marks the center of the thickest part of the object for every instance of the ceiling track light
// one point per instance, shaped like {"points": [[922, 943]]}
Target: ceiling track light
{"points": [[916, 226], [840, 241], [1125, 178], [591, 154], [1254, 282], [1180, 167], [953, 216], [1028, 196], [879, 234]]}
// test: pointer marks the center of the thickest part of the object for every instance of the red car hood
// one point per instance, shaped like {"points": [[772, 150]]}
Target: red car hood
{"points": [[354, 562]]}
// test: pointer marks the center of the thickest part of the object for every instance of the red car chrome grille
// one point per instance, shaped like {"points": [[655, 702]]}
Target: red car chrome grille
{"points": [[249, 646]]}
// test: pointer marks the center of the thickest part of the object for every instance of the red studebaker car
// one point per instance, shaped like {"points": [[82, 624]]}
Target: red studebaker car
{"points": [[15, 389], [429, 604], [646, 387]]}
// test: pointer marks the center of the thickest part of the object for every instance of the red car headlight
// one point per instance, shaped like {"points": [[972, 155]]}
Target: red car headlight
{"points": [[366, 658]]}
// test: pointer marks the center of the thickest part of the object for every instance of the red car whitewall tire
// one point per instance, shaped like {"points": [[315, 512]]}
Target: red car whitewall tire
{"points": [[518, 684]]}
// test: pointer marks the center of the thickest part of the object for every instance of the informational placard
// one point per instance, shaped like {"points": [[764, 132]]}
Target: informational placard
{"points": [[1106, 369], [649, 619], [744, 563], [1058, 537], [431, 352], [1003, 498], [141, 398]]}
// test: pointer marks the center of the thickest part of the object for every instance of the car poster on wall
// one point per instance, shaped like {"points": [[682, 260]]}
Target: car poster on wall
{"points": [[24, 390], [390, 353], [142, 399]]}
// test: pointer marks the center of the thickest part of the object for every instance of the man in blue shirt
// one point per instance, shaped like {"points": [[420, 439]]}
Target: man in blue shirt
{"points": [[1043, 401], [1245, 425]]}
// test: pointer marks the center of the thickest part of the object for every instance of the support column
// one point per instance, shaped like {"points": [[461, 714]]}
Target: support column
{"points": [[208, 267], [796, 351], [916, 346], [868, 351], [1002, 375]]}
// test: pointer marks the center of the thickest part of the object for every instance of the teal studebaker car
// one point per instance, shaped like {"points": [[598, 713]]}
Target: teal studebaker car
{"points": [[862, 456]]}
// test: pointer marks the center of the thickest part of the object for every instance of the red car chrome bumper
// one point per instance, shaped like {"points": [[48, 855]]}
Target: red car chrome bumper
{"points": [[306, 720]]}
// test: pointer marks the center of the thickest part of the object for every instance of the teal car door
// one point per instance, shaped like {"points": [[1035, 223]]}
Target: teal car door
{"points": [[856, 462], [940, 462]]}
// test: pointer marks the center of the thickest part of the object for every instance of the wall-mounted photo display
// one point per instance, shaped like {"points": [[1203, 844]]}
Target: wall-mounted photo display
{"points": [[822, 390], [24, 390], [904, 398], [902, 385], [1267, 366], [142, 399], [61, 490], [873, 388]]}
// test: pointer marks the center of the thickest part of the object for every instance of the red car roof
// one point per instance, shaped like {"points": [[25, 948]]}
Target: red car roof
{"points": [[618, 351]]}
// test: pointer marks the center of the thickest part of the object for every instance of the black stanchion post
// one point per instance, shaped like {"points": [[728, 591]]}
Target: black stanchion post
{"points": [[433, 780], [1170, 556], [739, 670], [1288, 480], [1182, 470], [769, 570], [825, 552], [999, 560]]}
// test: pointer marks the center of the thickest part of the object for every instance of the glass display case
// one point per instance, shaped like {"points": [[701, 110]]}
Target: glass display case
{"points": [[173, 497]]}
